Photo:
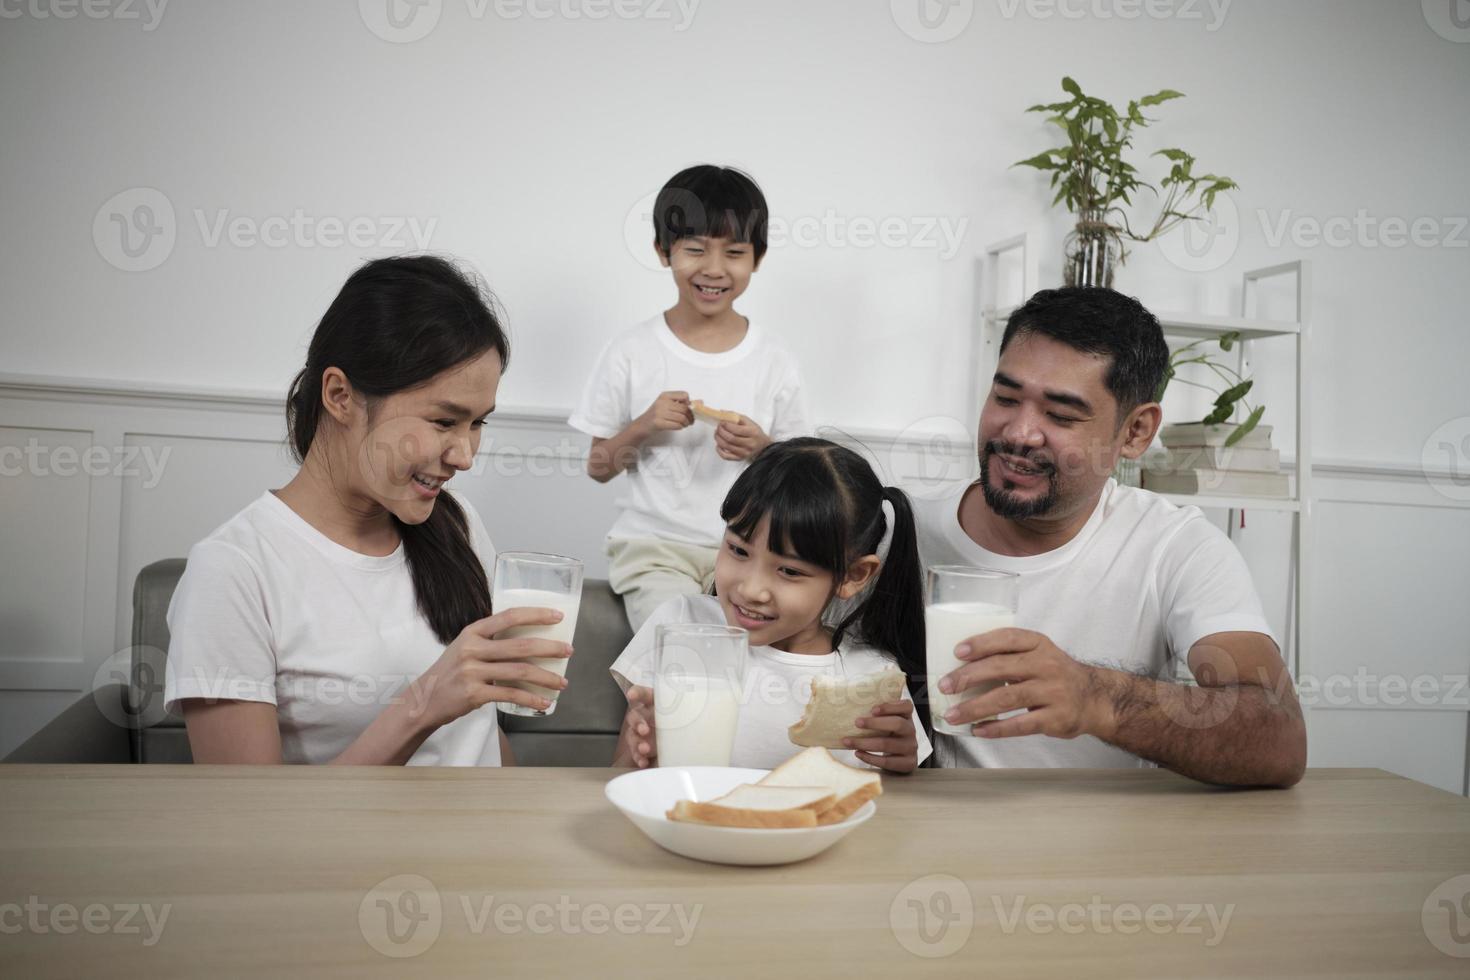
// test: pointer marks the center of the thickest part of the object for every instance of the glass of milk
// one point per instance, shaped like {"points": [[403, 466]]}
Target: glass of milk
{"points": [[961, 601], [698, 679], [524, 578]]}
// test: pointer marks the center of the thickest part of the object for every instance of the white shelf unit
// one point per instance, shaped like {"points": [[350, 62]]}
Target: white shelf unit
{"points": [[1194, 326]]}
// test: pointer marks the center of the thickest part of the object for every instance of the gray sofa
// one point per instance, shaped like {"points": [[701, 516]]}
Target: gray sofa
{"points": [[125, 721]]}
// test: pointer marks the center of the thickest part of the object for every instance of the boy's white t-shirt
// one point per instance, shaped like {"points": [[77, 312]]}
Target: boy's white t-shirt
{"points": [[675, 490], [777, 684], [1140, 584], [270, 609]]}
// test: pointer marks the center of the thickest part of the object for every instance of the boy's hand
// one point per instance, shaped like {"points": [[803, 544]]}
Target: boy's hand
{"points": [[741, 440], [894, 744], [637, 745], [668, 413]]}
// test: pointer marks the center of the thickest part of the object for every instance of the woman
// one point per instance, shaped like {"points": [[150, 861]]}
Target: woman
{"points": [[345, 618]]}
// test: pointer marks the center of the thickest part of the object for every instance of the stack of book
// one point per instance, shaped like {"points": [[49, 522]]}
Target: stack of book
{"points": [[1196, 460]]}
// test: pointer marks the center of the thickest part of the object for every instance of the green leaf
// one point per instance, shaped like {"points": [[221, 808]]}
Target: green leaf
{"points": [[1042, 161], [1220, 414], [1227, 340], [1231, 395], [1071, 87], [1173, 154], [1246, 426], [1163, 95]]}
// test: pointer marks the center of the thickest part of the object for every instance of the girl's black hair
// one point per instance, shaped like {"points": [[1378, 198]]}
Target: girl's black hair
{"points": [[825, 506], [396, 324]]}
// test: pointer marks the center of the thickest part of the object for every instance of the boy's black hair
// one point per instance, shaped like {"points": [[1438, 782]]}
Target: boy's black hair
{"points": [[825, 506], [1100, 321], [714, 202]]}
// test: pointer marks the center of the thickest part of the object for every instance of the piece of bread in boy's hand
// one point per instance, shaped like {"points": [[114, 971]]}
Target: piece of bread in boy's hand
{"points": [[837, 703], [713, 415], [817, 767], [753, 805]]}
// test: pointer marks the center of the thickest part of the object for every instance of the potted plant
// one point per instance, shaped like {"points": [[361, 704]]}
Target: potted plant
{"points": [[1227, 400], [1094, 179]]}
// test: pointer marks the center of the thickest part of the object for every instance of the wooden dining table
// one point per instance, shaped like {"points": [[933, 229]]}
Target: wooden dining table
{"points": [[212, 871]]}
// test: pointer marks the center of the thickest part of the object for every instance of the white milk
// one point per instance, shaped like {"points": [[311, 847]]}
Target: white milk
{"points": [[694, 720], [946, 626], [503, 599]]}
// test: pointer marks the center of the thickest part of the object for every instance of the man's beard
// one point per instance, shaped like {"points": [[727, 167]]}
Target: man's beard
{"points": [[1005, 503]]}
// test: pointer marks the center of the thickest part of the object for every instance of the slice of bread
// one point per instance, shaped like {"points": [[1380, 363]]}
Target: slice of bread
{"points": [[816, 767], [703, 411], [759, 806], [836, 703]]}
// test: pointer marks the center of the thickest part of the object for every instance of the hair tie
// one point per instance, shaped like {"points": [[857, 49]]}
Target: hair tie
{"points": [[889, 520]]}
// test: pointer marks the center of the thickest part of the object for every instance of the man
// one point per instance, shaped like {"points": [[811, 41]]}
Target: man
{"points": [[1117, 582]]}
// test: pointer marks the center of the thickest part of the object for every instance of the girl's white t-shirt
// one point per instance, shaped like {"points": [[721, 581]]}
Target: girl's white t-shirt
{"points": [[777, 684], [270, 609]]}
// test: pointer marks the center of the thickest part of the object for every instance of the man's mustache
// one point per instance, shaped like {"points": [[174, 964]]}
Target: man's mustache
{"points": [[1019, 452]]}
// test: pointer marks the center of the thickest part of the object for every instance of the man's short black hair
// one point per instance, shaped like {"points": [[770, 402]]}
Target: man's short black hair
{"points": [[1100, 321], [710, 201]]}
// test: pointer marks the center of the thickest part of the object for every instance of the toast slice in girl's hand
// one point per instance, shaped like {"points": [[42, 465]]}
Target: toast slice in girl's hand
{"points": [[837, 703]]}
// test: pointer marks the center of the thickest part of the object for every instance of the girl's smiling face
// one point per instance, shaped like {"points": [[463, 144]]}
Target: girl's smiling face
{"points": [[779, 599]]}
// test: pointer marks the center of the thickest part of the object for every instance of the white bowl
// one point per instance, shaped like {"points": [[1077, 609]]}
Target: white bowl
{"points": [[646, 795]]}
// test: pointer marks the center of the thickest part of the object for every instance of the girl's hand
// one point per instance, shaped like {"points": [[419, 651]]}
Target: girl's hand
{"points": [[476, 669], [637, 745], [740, 440], [894, 744]]}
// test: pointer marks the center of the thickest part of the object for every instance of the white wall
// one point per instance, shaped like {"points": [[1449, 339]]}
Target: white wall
{"points": [[528, 146]]}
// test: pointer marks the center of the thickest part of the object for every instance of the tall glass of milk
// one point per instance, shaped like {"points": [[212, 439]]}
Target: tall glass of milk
{"points": [[960, 602], [525, 578], [699, 676]]}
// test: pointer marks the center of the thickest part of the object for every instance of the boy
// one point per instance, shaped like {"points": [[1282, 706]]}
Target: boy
{"points": [[709, 227]]}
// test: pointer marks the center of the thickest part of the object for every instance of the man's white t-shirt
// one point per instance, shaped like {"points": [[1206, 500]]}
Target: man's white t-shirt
{"points": [[675, 490], [270, 609], [777, 684], [1141, 583]]}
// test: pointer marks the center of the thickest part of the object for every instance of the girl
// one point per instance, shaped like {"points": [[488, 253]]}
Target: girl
{"points": [[805, 530], [345, 618]]}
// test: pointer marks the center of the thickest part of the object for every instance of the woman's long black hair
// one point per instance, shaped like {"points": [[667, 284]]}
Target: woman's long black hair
{"points": [[825, 505], [397, 323]]}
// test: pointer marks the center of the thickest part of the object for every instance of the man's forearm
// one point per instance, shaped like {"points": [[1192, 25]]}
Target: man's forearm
{"points": [[1234, 734]]}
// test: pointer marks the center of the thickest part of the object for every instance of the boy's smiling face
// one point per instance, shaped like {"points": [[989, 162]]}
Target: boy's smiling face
{"points": [[710, 272]]}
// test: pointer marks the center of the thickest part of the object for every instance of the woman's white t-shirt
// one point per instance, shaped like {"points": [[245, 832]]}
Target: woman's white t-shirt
{"points": [[270, 609], [777, 684]]}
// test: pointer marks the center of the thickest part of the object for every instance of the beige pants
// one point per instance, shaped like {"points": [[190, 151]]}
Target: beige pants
{"points": [[648, 572]]}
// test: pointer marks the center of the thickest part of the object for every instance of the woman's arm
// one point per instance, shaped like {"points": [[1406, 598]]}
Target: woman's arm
{"points": [[249, 733]]}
